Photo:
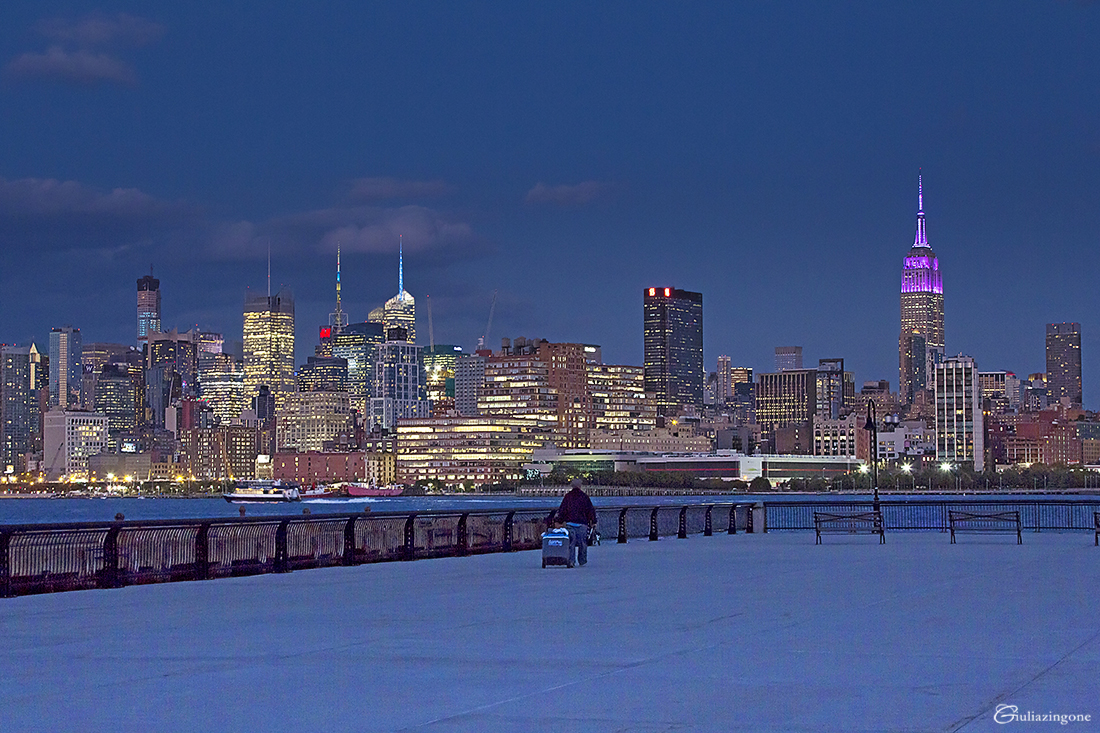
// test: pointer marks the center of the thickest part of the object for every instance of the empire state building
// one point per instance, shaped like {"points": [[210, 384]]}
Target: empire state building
{"points": [[921, 344]]}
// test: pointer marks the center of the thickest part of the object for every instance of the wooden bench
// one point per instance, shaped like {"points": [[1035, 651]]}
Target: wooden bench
{"points": [[985, 523], [858, 523]]}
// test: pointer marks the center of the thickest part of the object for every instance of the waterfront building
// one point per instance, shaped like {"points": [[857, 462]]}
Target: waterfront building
{"points": [[357, 344], [673, 342], [469, 382], [22, 382], [788, 358], [1064, 362], [466, 450], [399, 390], [960, 435], [221, 385], [786, 398], [69, 437], [678, 439], [66, 372], [219, 452], [619, 399], [921, 307], [148, 307], [307, 420], [377, 468], [269, 344]]}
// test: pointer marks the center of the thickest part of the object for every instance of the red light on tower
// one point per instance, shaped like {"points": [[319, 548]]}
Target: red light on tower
{"points": [[668, 292], [653, 291], [326, 333]]}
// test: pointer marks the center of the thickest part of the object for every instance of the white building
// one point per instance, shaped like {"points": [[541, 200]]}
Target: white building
{"points": [[960, 434], [400, 387], [68, 439]]}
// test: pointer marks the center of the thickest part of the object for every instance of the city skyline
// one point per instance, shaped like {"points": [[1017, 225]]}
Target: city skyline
{"points": [[558, 188]]}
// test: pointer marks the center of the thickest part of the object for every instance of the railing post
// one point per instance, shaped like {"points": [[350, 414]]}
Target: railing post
{"points": [[109, 575], [349, 540], [508, 521], [463, 540], [622, 526], [282, 563], [653, 525], [5, 565], [410, 538], [748, 519], [683, 533], [732, 528], [708, 530], [202, 552]]}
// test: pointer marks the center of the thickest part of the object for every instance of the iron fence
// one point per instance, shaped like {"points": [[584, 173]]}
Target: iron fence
{"points": [[59, 557], [920, 515]]}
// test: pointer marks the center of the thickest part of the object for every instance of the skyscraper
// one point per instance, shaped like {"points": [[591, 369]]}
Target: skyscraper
{"points": [[269, 344], [399, 390], [921, 307], [1064, 361], [788, 358], [21, 379], [66, 374], [358, 344], [400, 310], [960, 433], [148, 307], [673, 340], [724, 389]]}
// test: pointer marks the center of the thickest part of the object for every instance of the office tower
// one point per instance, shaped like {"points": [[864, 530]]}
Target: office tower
{"points": [[21, 381], [93, 356], [999, 391], [269, 344], [914, 365], [469, 382], [66, 373], [177, 352], [673, 341], [210, 342], [476, 451], [114, 398], [959, 428], [740, 375], [921, 306], [724, 373], [148, 307], [358, 345], [323, 374], [786, 399], [398, 390], [788, 358], [439, 369], [1064, 362], [619, 399], [263, 405], [221, 385], [835, 388], [400, 310], [69, 438], [308, 420]]}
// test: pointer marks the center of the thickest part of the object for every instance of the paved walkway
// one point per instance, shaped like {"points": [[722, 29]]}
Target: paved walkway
{"points": [[750, 632]]}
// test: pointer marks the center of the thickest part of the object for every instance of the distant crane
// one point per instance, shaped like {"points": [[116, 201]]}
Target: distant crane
{"points": [[485, 339], [431, 329]]}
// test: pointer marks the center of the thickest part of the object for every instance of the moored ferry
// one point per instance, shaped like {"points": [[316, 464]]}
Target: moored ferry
{"points": [[262, 491], [356, 489]]}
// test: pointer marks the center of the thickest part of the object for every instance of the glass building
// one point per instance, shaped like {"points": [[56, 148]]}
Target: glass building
{"points": [[148, 307], [66, 374], [269, 344], [673, 340], [21, 379], [358, 345], [1064, 361]]}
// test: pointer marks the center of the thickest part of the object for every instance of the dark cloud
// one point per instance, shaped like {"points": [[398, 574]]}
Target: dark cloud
{"points": [[46, 212], [84, 50], [384, 189], [577, 194], [101, 30]]}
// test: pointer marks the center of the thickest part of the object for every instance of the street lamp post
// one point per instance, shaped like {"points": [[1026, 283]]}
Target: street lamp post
{"points": [[873, 428]]}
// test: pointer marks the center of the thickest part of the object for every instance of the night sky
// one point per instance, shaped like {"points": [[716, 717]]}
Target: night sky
{"points": [[566, 155]]}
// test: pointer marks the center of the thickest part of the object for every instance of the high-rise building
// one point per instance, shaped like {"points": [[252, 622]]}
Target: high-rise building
{"points": [[999, 391], [399, 389], [914, 365], [307, 420], [960, 433], [786, 399], [358, 345], [673, 340], [439, 368], [724, 387], [93, 356], [114, 398], [400, 310], [788, 358], [269, 344], [66, 373], [921, 305], [835, 389], [69, 438], [1064, 361], [148, 307], [469, 382], [211, 343], [221, 385], [177, 352], [323, 374], [619, 400], [21, 381]]}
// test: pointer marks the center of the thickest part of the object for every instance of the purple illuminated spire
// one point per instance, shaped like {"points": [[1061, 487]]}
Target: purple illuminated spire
{"points": [[921, 240]]}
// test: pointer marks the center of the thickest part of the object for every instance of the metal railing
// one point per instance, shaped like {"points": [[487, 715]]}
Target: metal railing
{"points": [[45, 558], [918, 515]]}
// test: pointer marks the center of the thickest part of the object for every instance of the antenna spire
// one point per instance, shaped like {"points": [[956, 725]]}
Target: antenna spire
{"points": [[269, 269], [400, 267], [337, 319], [921, 238]]}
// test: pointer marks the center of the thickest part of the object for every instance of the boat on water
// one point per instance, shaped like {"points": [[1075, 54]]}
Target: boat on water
{"points": [[245, 492], [356, 489], [322, 492]]}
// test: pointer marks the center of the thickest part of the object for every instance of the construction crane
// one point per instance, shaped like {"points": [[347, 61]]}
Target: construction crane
{"points": [[485, 339], [431, 330]]}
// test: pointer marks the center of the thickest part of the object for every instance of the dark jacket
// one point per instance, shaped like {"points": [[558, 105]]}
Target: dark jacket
{"points": [[576, 507]]}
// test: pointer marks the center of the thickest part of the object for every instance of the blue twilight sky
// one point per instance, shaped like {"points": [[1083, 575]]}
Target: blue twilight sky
{"points": [[564, 154]]}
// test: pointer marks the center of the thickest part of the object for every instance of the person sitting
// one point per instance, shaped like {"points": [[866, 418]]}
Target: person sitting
{"points": [[579, 514]]}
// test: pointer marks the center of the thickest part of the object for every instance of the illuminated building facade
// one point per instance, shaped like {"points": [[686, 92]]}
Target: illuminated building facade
{"points": [[21, 382], [307, 420], [312, 467], [960, 434], [921, 308], [673, 342], [323, 374], [114, 398], [358, 344], [269, 344], [177, 353], [68, 439], [148, 307], [399, 390], [724, 386], [469, 382], [619, 399], [440, 362], [788, 358], [66, 372], [221, 385], [1064, 362], [221, 452], [785, 399], [835, 388], [466, 450]]}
